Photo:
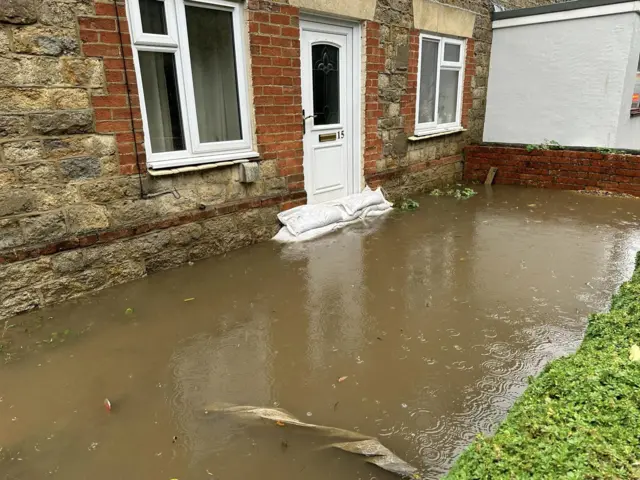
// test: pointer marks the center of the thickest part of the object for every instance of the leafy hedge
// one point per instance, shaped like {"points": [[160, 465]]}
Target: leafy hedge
{"points": [[580, 418]]}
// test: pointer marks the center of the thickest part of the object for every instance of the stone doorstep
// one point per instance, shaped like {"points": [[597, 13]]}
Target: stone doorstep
{"points": [[101, 237]]}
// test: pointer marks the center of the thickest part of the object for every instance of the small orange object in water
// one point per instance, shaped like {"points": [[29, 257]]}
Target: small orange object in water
{"points": [[107, 404], [280, 424], [342, 379]]}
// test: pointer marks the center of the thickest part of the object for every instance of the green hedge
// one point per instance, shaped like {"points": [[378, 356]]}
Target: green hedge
{"points": [[580, 418]]}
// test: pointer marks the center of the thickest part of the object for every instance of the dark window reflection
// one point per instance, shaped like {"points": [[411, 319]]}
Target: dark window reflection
{"points": [[161, 100], [152, 16], [326, 84]]}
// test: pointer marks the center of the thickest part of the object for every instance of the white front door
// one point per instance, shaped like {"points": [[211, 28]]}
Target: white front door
{"points": [[328, 67]]}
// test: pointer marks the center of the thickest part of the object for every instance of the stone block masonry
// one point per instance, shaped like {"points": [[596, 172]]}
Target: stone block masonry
{"points": [[562, 169]]}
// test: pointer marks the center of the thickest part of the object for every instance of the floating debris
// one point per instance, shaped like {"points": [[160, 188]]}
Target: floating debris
{"points": [[456, 192], [359, 444], [408, 204]]}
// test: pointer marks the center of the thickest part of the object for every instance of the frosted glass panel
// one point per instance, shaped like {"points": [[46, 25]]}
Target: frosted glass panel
{"points": [[448, 96]]}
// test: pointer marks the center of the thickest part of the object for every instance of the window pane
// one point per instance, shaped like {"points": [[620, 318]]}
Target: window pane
{"points": [[213, 68], [448, 96], [152, 16], [451, 52], [158, 71], [428, 75], [326, 84]]}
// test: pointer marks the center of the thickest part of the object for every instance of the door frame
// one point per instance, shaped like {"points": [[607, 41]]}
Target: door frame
{"points": [[355, 167]]}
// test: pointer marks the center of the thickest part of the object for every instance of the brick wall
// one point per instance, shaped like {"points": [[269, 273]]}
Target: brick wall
{"points": [[105, 35], [372, 107], [408, 106], [562, 169], [467, 90]]}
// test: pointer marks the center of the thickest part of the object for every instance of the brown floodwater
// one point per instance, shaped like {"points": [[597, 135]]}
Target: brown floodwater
{"points": [[435, 316]]}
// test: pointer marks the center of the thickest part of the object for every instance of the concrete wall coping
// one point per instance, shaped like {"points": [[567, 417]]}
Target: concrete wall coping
{"points": [[435, 17], [356, 9]]}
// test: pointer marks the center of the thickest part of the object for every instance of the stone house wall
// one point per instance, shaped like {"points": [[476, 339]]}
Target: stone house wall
{"points": [[78, 210]]}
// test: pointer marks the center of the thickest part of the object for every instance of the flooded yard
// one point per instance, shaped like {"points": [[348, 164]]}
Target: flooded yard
{"points": [[420, 329]]}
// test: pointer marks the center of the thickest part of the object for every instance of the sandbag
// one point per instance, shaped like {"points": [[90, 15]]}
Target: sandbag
{"points": [[359, 444], [311, 221]]}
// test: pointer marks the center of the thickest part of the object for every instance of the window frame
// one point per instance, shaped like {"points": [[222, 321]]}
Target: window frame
{"points": [[430, 128], [176, 41]]}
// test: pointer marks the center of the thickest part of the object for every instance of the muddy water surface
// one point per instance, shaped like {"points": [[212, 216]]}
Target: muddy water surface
{"points": [[436, 317]]}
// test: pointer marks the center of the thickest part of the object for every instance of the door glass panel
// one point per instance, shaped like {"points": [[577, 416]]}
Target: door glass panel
{"points": [[152, 16], [428, 76], [160, 87], [213, 69], [448, 96], [326, 84], [451, 52]]}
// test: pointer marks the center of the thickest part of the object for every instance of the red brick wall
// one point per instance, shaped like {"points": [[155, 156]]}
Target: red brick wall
{"points": [[467, 92], [372, 106], [562, 169], [102, 37], [408, 102], [274, 42]]}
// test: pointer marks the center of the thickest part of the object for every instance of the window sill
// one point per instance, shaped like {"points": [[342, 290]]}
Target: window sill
{"points": [[435, 133], [193, 164]]}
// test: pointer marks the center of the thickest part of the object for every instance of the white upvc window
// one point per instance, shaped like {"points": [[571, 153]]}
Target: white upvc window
{"points": [[440, 81], [192, 79]]}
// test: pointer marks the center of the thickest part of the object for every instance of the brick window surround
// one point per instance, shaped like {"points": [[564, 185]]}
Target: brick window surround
{"points": [[408, 106], [274, 48], [117, 109]]}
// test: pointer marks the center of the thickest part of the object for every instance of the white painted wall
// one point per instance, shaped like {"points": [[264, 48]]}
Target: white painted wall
{"points": [[562, 80], [629, 127]]}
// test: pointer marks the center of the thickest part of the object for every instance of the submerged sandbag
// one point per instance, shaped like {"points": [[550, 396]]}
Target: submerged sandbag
{"points": [[359, 444]]}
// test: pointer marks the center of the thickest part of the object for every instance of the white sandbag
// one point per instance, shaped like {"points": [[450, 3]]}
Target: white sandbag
{"points": [[308, 217], [360, 201], [311, 221]]}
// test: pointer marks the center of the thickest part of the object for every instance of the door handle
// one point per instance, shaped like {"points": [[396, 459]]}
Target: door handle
{"points": [[304, 121]]}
